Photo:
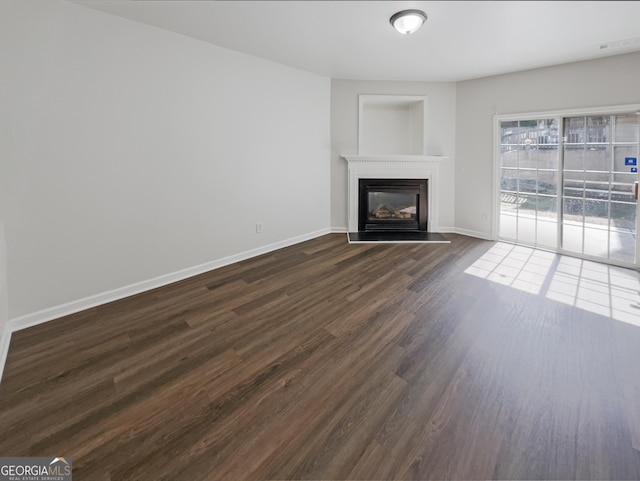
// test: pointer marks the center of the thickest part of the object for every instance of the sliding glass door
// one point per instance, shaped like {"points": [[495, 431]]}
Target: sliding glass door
{"points": [[599, 207], [569, 183], [529, 181]]}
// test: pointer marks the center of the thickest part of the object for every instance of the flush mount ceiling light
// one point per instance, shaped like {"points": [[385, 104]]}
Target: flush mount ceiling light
{"points": [[408, 21]]}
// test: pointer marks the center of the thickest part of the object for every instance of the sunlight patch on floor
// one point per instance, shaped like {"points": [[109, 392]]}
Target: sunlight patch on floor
{"points": [[514, 266], [599, 288]]}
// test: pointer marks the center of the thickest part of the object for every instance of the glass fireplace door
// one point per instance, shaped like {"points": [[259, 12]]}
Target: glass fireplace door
{"points": [[393, 205]]}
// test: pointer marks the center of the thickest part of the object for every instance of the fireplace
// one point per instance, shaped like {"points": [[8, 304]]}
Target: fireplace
{"points": [[392, 205], [394, 167]]}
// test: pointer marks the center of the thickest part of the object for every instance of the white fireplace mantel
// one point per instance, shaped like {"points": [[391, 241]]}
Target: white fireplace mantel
{"points": [[393, 167]]}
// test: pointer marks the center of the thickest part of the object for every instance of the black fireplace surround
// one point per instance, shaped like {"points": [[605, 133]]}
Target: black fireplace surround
{"points": [[392, 205]]}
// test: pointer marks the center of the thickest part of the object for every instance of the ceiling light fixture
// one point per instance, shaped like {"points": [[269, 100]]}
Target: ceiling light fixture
{"points": [[408, 21]]}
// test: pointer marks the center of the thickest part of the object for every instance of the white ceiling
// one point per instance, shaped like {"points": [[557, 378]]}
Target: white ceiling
{"points": [[354, 40]]}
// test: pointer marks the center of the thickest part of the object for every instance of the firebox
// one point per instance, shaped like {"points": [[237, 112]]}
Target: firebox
{"points": [[392, 205]]}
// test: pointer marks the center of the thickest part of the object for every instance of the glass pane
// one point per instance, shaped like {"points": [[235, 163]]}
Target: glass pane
{"points": [[597, 177], [622, 246], [527, 228], [508, 226], [597, 157], [598, 128], [596, 213], [573, 185], [547, 182], [573, 189], [392, 206], [528, 181], [573, 157], [509, 132], [509, 202], [622, 192], [509, 180], [620, 153], [623, 216], [547, 233], [528, 158], [572, 236], [509, 156], [596, 242], [547, 132], [527, 205], [626, 128], [528, 132], [573, 210], [573, 193], [576, 177], [548, 157], [574, 130], [547, 207], [626, 179], [596, 186]]}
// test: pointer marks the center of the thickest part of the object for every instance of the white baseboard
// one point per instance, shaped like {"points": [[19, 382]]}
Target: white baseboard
{"points": [[5, 339], [339, 230], [45, 315], [473, 233], [446, 230]]}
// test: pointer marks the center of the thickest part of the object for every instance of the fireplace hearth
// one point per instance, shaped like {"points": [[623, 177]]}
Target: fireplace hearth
{"points": [[392, 205]]}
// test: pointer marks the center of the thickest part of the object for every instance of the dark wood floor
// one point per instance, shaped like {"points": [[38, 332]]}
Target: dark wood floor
{"points": [[330, 361]]}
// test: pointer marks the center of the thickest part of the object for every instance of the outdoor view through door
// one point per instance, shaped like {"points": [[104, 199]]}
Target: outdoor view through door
{"points": [[567, 183]]}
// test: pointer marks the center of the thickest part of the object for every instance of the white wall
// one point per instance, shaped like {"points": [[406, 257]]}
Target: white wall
{"points": [[602, 82], [344, 136], [129, 152], [4, 302]]}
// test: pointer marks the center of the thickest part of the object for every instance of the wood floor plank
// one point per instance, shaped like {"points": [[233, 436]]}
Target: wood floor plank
{"points": [[336, 361]]}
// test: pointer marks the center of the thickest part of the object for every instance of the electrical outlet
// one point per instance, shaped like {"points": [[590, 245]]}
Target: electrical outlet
{"points": [[258, 228], [485, 217]]}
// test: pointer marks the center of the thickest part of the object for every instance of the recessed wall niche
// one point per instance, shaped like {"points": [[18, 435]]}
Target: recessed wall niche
{"points": [[392, 124]]}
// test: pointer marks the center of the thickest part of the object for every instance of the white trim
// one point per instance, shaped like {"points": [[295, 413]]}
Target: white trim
{"points": [[607, 109], [474, 233], [393, 167], [495, 181], [5, 339], [339, 230], [447, 230], [45, 315]]}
